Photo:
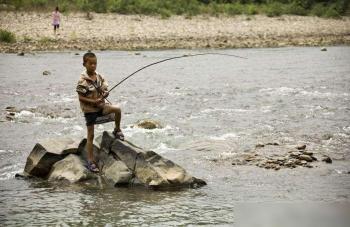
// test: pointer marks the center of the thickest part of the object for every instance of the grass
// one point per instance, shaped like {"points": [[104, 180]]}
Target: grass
{"points": [[189, 8], [7, 36]]}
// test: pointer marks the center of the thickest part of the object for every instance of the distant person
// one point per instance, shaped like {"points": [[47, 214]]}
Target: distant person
{"points": [[92, 90], [56, 18]]}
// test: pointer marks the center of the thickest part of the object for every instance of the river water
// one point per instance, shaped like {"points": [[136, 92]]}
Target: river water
{"points": [[211, 107]]}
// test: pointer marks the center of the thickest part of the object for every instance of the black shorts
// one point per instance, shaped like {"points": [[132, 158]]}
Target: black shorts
{"points": [[56, 26], [90, 118]]}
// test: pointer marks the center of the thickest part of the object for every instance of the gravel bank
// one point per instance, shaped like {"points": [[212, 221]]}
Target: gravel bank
{"points": [[129, 32]]}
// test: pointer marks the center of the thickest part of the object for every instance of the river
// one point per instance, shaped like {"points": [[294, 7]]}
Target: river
{"points": [[211, 107]]}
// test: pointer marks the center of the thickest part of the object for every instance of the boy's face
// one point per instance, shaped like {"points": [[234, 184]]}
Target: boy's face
{"points": [[91, 64]]}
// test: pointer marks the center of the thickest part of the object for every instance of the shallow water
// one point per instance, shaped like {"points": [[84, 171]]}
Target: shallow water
{"points": [[211, 107]]}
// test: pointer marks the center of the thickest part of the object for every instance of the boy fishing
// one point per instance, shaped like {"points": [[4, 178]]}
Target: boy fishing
{"points": [[92, 90]]}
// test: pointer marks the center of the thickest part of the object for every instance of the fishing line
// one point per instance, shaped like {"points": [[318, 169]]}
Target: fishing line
{"points": [[168, 59]]}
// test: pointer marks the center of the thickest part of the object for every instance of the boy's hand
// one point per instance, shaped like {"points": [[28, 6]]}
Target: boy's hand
{"points": [[105, 94], [99, 100]]}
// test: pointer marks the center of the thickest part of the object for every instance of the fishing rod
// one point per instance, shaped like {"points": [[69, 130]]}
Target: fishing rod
{"points": [[168, 59]]}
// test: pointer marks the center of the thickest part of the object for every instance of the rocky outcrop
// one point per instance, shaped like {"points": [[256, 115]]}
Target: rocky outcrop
{"points": [[47, 153], [121, 163], [72, 168]]}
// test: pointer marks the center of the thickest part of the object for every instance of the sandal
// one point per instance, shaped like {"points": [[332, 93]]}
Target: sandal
{"points": [[92, 167], [118, 134]]}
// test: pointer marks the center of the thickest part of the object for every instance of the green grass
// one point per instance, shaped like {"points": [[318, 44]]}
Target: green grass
{"points": [[189, 8], [7, 37]]}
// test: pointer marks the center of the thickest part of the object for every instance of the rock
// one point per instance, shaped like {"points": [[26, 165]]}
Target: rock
{"points": [[47, 153], [116, 172], [273, 144], [307, 153], [137, 53], [20, 54], [295, 154], [23, 175], [76, 54], [323, 49], [11, 109], [326, 159], [151, 169], [148, 124], [120, 163], [72, 169], [327, 136], [301, 147], [177, 88], [305, 157], [259, 145], [46, 73]]}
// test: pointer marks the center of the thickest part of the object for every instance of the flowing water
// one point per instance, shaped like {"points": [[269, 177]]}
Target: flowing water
{"points": [[211, 107]]}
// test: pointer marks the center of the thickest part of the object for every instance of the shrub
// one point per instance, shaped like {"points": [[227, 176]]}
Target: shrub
{"points": [[7, 37], [295, 9], [318, 10], [274, 9]]}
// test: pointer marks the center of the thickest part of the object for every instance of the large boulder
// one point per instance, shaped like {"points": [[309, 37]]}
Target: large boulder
{"points": [[48, 152], [151, 169], [71, 168], [121, 163]]}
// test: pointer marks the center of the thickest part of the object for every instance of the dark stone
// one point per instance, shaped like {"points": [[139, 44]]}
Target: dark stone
{"points": [[327, 159]]}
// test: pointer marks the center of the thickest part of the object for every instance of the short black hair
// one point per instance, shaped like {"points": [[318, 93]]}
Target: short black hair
{"points": [[88, 55]]}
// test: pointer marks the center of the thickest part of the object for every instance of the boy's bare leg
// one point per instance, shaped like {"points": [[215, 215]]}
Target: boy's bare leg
{"points": [[89, 143], [116, 110]]}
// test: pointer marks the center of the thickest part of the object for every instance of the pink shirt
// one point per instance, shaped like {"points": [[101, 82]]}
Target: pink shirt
{"points": [[55, 18]]}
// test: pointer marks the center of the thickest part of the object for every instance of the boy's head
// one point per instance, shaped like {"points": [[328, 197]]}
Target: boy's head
{"points": [[90, 61]]}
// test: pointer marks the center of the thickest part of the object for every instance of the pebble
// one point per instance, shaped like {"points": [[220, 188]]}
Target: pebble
{"points": [[326, 159], [301, 147], [305, 157], [259, 145], [323, 49], [20, 54], [46, 73]]}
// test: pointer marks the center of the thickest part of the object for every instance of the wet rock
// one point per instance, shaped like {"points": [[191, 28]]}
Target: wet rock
{"points": [[259, 145], [76, 54], [295, 154], [305, 157], [273, 143], [116, 172], [47, 153], [151, 169], [301, 147], [23, 175], [137, 53], [20, 54], [326, 159], [327, 136], [72, 169], [307, 153], [148, 124], [177, 88], [323, 49], [11, 109], [46, 73]]}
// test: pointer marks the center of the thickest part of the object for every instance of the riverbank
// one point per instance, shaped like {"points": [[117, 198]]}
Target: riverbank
{"points": [[80, 31]]}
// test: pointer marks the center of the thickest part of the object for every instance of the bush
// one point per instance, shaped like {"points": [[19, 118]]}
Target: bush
{"points": [[331, 13], [274, 9], [7, 37], [295, 9]]}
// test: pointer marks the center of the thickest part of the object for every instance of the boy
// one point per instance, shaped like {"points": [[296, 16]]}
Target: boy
{"points": [[92, 90]]}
